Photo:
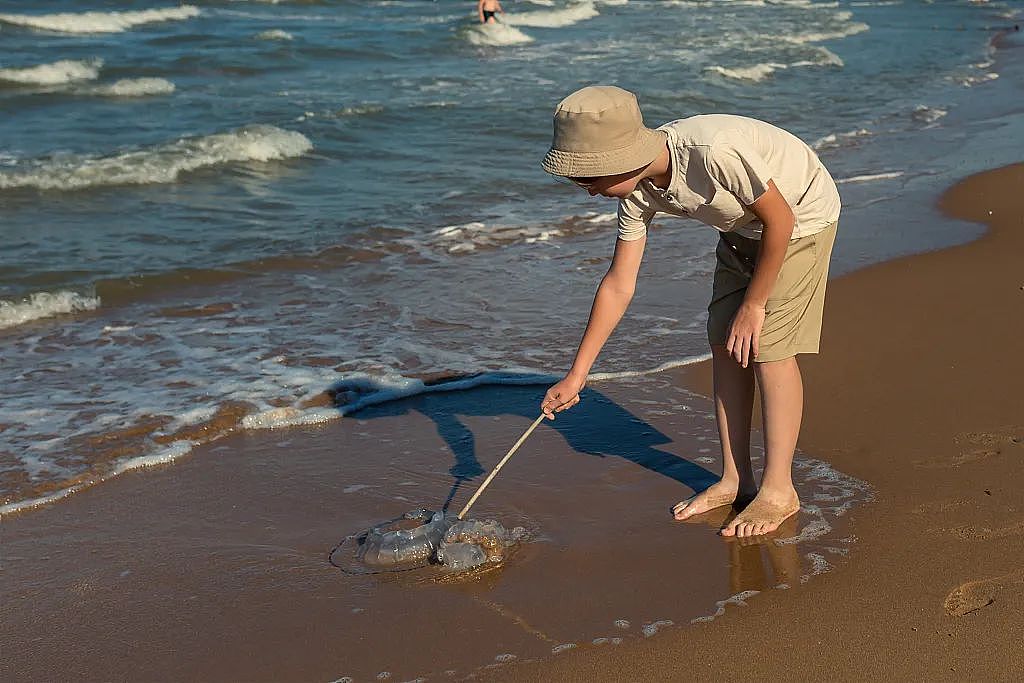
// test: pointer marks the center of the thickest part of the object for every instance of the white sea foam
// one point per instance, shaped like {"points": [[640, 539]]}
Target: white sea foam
{"points": [[274, 34], [44, 305], [496, 34], [650, 629], [56, 73], [133, 87], [850, 29], [737, 600], [836, 140], [162, 164], [927, 114], [970, 81], [98, 22], [759, 72], [557, 18], [869, 177], [755, 73]]}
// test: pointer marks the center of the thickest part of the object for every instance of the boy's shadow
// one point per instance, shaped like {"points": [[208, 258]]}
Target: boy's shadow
{"points": [[597, 426]]}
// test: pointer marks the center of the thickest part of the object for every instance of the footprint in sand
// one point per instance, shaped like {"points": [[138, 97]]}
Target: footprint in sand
{"points": [[977, 446], [973, 595]]}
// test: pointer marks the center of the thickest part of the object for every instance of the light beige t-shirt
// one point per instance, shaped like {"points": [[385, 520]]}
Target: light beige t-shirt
{"points": [[721, 164]]}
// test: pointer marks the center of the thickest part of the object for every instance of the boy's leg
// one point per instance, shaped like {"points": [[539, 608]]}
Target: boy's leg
{"points": [[734, 401], [782, 398]]}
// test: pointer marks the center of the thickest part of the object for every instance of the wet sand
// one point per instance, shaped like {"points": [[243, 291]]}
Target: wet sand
{"points": [[216, 567], [920, 390]]}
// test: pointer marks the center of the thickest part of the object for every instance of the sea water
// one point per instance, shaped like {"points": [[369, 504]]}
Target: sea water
{"points": [[215, 212]]}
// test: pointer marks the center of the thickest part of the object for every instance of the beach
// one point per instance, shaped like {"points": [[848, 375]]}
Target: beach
{"points": [[192, 441], [188, 583]]}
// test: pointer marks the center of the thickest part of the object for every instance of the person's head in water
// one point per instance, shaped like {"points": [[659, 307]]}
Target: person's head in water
{"points": [[600, 142]]}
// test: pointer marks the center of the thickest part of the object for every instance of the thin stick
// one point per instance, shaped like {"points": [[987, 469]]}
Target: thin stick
{"points": [[500, 465]]}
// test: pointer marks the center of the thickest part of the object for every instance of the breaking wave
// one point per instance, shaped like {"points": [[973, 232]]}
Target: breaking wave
{"points": [[554, 18], [98, 22], [57, 73], [133, 87], [44, 305], [497, 34], [161, 164]]}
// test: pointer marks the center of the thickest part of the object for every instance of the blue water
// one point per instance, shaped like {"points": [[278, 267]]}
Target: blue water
{"points": [[315, 192]]}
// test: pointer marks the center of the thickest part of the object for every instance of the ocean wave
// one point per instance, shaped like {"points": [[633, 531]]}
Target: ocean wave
{"points": [[759, 72], [274, 34], [133, 87], [98, 22], [554, 18], [497, 34], [162, 164], [44, 305], [887, 175], [56, 73], [837, 140], [755, 73], [971, 81], [926, 114], [851, 29]]}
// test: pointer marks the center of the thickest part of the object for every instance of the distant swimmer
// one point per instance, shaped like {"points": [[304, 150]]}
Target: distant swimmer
{"points": [[488, 11]]}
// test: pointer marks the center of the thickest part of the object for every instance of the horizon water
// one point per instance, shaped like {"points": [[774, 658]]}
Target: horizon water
{"points": [[215, 212]]}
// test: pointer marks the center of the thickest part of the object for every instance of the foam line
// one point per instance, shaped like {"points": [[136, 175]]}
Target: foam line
{"points": [[161, 164], [98, 22]]}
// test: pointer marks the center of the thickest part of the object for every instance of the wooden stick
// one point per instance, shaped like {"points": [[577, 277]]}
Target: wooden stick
{"points": [[501, 464]]}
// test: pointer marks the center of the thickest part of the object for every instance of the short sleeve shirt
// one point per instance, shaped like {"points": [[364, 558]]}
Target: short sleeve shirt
{"points": [[721, 164]]}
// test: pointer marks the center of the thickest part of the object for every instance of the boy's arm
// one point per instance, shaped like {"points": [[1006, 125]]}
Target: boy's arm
{"points": [[500, 8], [777, 220], [480, 10], [610, 303]]}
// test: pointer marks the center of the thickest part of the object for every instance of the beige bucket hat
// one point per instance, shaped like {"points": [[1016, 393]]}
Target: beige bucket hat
{"points": [[599, 131]]}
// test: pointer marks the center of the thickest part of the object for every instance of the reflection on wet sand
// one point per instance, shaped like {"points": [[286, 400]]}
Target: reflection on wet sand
{"points": [[756, 563]]}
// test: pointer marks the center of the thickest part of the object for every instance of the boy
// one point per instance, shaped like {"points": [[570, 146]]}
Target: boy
{"points": [[488, 11], [777, 209]]}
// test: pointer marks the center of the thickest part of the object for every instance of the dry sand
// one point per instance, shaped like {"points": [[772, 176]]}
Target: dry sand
{"points": [[919, 390]]}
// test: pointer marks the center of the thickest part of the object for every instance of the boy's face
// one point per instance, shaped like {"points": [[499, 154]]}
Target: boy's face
{"points": [[618, 186]]}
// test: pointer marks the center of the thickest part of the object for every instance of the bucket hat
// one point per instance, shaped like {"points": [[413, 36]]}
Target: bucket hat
{"points": [[599, 131]]}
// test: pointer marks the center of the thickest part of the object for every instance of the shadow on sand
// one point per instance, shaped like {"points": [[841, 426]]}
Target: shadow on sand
{"points": [[598, 426]]}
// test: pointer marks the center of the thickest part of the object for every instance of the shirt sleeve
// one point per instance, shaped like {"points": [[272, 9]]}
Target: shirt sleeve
{"points": [[634, 218], [736, 166]]}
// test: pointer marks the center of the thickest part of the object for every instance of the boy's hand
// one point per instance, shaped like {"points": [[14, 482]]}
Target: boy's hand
{"points": [[745, 333], [562, 396]]}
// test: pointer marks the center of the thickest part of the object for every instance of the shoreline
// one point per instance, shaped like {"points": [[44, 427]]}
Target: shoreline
{"points": [[938, 541], [931, 416], [940, 445]]}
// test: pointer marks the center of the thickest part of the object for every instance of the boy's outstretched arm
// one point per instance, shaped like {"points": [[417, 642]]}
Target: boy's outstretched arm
{"points": [[612, 298]]}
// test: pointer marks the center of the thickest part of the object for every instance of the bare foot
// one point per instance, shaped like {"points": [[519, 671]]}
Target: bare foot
{"points": [[717, 495], [765, 513]]}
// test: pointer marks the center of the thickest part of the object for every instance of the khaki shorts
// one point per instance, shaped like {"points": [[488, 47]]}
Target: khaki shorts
{"points": [[793, 313]]}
